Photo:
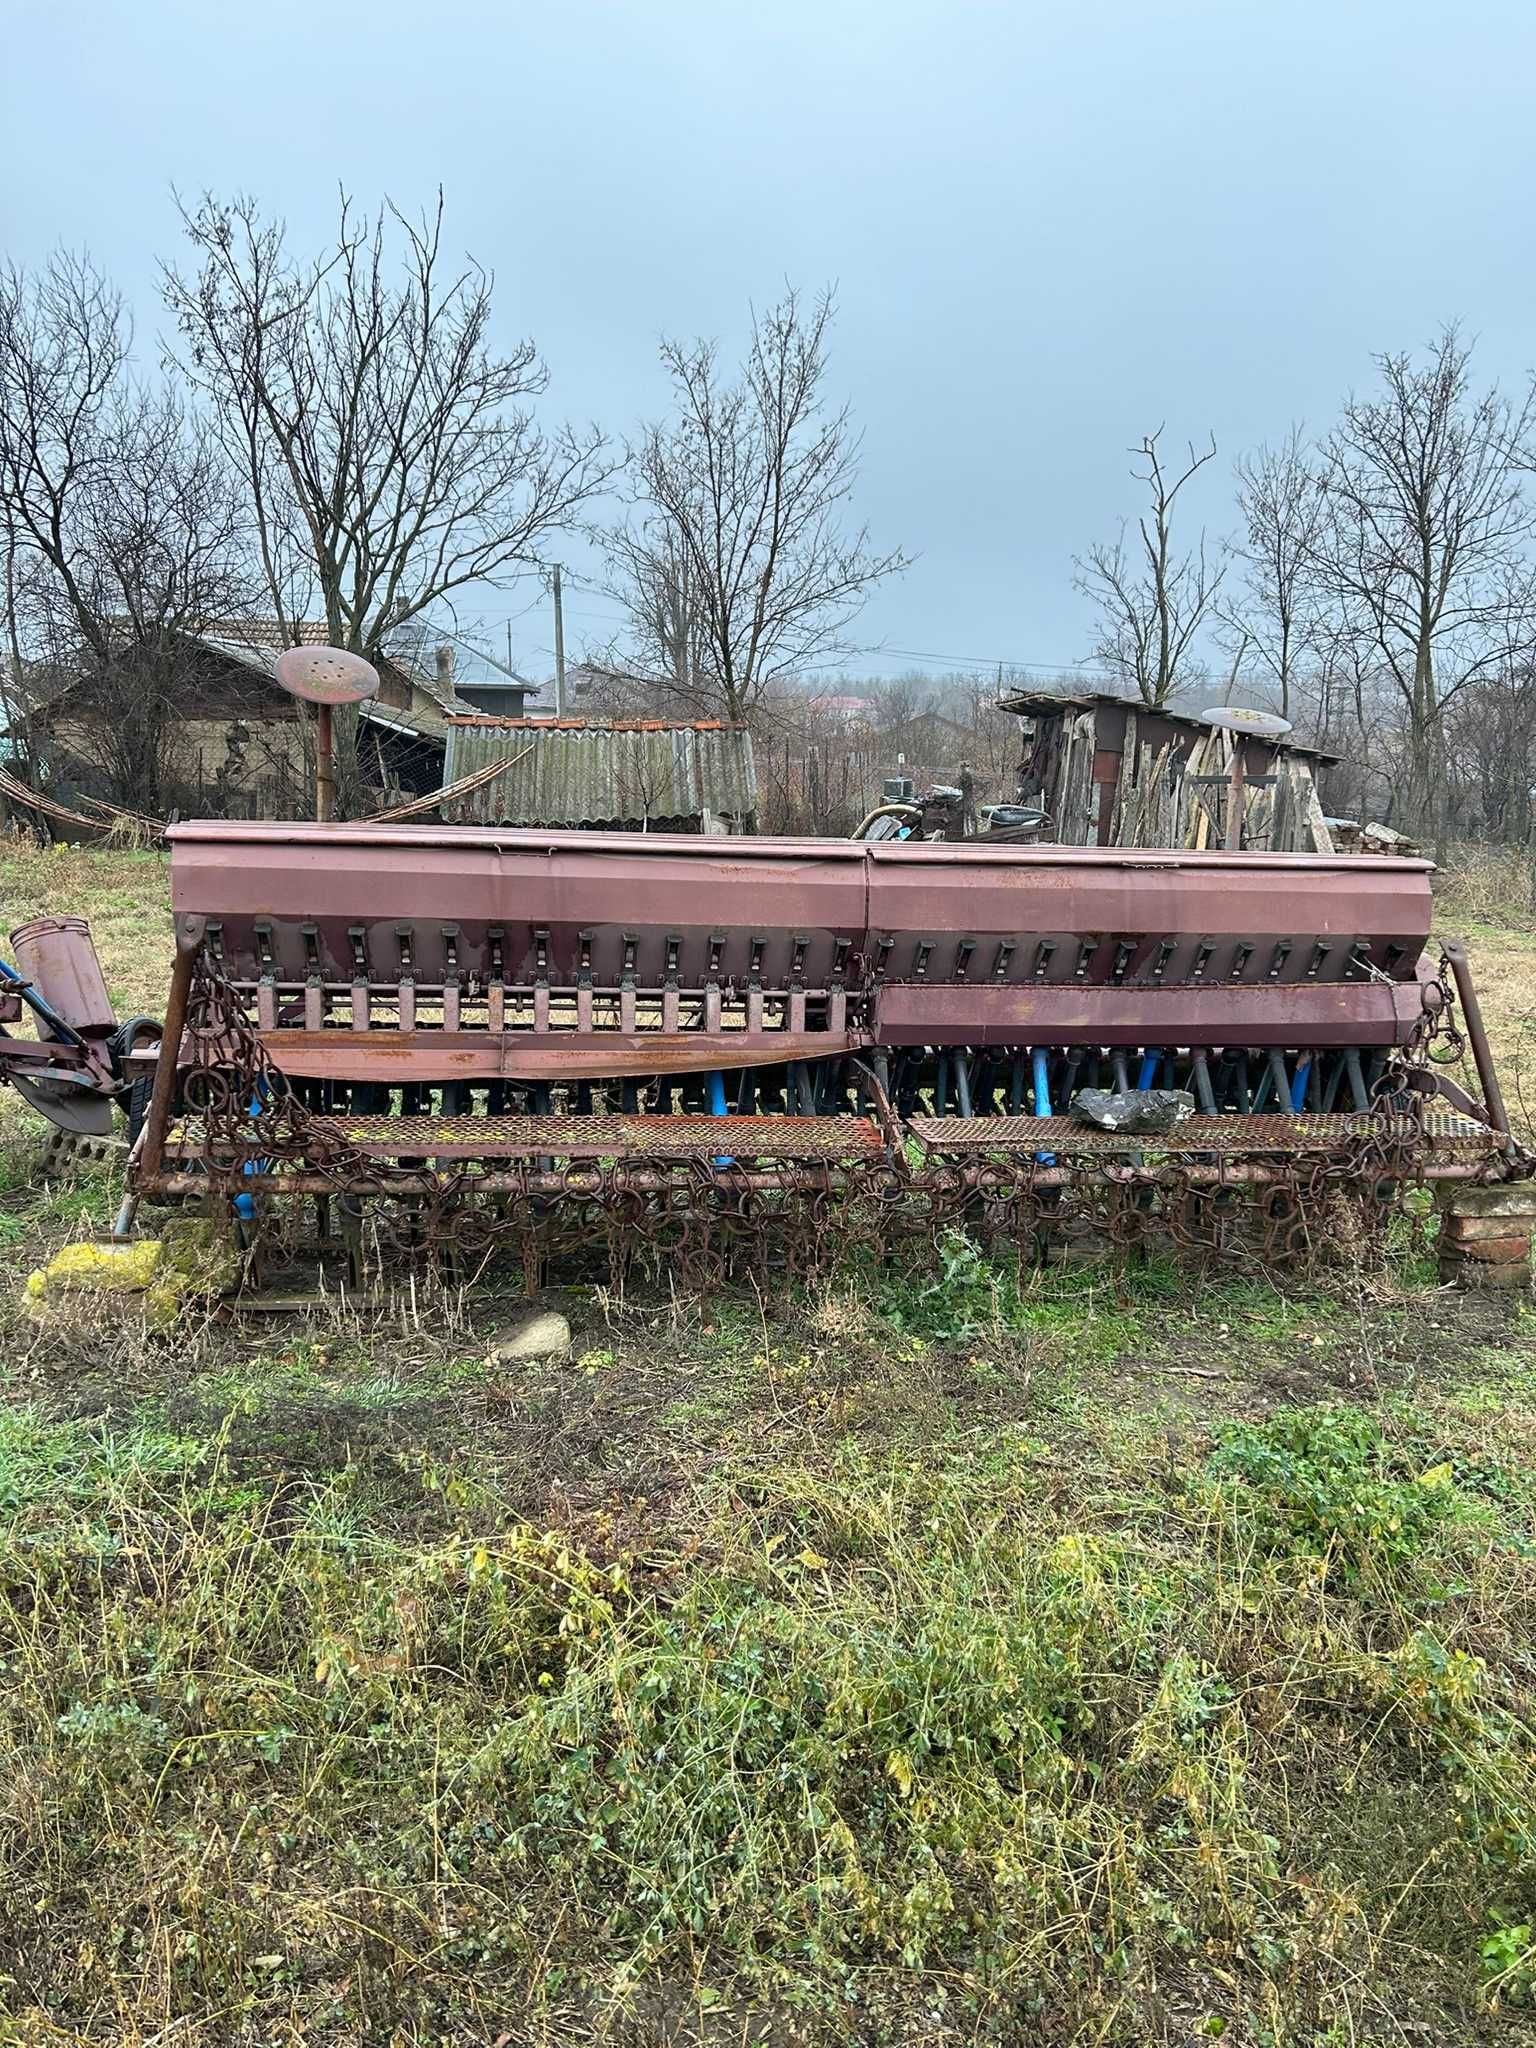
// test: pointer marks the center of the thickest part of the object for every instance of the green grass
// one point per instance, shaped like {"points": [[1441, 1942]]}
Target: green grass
{"points": [[1103, 1654], [909, 1663]]}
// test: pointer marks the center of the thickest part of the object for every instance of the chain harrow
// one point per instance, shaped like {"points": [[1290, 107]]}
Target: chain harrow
{"points": [[702, 1222]]}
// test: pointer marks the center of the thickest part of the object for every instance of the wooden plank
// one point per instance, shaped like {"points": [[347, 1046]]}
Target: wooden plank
{"points": [[1125, 782], [1316, 824]]}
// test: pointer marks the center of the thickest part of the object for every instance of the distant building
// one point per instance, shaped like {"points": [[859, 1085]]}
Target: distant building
{"points": [[232, 743], [499, 693], [498, 696], [846, 710], [929, 748]]}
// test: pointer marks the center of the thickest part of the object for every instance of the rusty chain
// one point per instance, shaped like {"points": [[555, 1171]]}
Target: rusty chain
{"points": [[701, 1223]]}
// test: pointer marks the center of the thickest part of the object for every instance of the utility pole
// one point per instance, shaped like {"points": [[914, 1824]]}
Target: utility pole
{"points": [[559, 648]]}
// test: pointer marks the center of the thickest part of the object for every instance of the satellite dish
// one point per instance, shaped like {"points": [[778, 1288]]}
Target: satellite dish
{"points": [[327, 675], [1259, 725], [1255, 725]]}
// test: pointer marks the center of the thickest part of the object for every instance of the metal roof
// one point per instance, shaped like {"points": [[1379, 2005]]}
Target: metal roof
{"points": [[1056, 703], [578, 772]]}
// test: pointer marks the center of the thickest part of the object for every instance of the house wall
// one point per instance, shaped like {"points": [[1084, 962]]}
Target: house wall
{"points": [[231, 767], [233, 743]]}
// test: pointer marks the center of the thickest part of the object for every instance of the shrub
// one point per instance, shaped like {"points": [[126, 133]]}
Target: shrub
{"points": [[1323, 1482]]}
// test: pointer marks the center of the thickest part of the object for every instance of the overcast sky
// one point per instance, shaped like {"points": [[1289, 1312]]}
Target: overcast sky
{"points": [[1051, 227]]}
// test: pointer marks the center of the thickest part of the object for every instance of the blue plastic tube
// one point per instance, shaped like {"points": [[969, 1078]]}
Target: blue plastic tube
{"points": [[1042, 1078]]}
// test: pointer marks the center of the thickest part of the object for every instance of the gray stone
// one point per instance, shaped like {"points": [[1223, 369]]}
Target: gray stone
{"points": [[541, 1335]]}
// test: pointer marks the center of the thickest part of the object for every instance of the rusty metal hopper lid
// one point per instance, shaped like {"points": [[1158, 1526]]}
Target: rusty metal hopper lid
{"points": [[327, 675]]}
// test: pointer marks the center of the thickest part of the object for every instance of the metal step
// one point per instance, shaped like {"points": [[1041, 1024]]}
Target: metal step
{"points": [[743, 1139], [1228, 1136], [587, 1137]]}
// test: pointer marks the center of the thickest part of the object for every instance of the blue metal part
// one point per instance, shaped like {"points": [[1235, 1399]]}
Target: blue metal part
{"points": [[1359, 1094], [1042, 1078], [244, 1205], [717, 1105], [1273, 1080]]}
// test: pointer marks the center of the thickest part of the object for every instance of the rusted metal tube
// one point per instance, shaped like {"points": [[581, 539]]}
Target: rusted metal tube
{"points": [[325, 770], [1482, 1052], [157, 1122], [128, 1208], [652, 1181], [56, 955]]}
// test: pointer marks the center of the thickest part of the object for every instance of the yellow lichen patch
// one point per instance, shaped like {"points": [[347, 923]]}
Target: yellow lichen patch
{"points": [[93, 1269], [193, 1259], [198, 1259]]}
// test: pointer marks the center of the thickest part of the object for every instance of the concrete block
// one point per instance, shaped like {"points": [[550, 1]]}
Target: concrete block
{"points": [[1493, 1251], [1496, 1198], [1475, 1276]]}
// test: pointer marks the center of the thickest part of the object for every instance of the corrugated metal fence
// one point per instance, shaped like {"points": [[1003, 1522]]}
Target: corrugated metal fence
{"points": [[625, 773]]}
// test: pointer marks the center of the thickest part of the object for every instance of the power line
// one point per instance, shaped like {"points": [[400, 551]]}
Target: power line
{"points": [[994, 660]]}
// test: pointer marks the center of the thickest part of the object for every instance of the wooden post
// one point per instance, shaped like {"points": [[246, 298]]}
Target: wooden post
{"points": [[559, 649], [157, 1122], [1235, 797]]}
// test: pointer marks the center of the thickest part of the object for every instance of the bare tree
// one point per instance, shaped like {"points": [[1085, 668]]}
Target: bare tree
{"points": [[64, 348], [650, 574], [1424, 538], [1280, 501], [17, 708], [1152, 602], [390, 451], [901, 699], [738, 518], [124, 528], [1491, 756]]}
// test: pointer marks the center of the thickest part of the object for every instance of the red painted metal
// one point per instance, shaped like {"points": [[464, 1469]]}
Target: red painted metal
{"points": [[400, 1057], [56, 954], [928, 891], [1317, 1015], [409, 955], [786, 913]]}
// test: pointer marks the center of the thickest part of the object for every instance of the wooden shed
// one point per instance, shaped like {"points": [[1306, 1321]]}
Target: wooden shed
{"points": [[1111, 772]]}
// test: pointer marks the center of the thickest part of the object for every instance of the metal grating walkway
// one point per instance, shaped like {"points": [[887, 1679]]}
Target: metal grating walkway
{"points": [[1199, 1134], [604, 1137], [830, 1138]]}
